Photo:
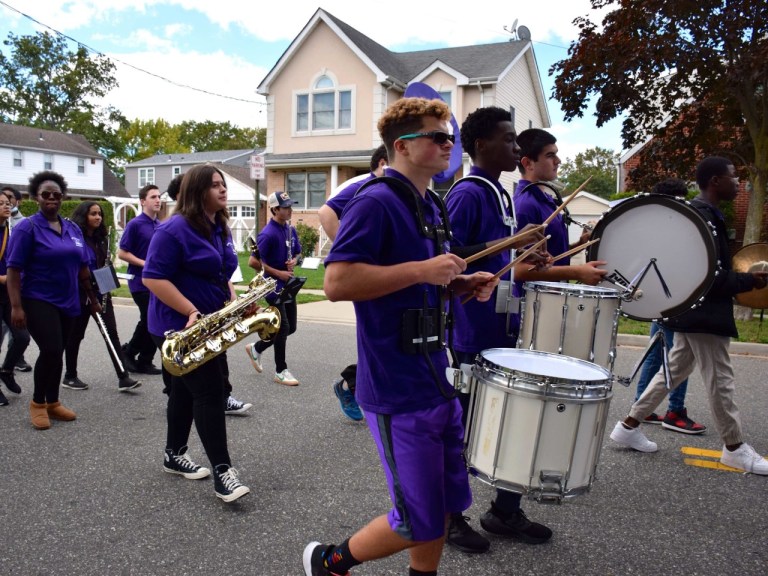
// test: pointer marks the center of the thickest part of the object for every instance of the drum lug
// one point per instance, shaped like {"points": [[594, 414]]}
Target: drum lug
{"points": [[551, 487]]}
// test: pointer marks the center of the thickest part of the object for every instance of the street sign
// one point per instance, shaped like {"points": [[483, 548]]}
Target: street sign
{"points": [[258, 171]]}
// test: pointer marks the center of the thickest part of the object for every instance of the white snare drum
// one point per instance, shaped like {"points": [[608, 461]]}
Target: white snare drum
{"points": [[570, 319], [536, 422], [667, 239]]}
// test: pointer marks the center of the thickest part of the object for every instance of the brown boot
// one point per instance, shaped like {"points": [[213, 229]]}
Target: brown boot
{"points": [[58, 412], [39, 416]]}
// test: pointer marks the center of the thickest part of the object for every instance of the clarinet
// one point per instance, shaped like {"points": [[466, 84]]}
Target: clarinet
{"points": [[100, 319]]}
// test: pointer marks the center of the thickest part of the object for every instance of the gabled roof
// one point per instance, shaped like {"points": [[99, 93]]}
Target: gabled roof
{"points": [[485, 62], [29, 138], [233, 157]]}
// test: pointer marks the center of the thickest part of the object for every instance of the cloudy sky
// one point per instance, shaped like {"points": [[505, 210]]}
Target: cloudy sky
{"points": [[201, 60]]}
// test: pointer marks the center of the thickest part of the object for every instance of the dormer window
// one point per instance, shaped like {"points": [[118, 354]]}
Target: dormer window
{"points": [[326, 108]]}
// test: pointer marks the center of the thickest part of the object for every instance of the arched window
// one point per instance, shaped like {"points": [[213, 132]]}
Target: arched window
{"points": [[325, 108]]}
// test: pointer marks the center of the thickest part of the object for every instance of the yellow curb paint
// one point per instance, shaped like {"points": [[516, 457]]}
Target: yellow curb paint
{"points": [[710, 464], [701, 452]]}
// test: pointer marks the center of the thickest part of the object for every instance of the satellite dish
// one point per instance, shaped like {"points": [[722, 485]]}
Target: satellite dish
{"points": [[523, 33], [421, 90], [513, 29]]}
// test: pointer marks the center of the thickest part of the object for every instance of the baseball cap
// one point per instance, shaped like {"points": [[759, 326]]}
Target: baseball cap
{"points": [[280, 200]]}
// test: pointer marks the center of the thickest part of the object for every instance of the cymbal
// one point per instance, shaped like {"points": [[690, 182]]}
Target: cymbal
{"points": [[752, 258]]}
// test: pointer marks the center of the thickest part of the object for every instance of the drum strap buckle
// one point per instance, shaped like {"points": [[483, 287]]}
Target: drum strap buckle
{"points": [[460, 377]]}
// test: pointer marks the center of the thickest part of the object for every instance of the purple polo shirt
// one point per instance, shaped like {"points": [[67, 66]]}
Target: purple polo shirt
{"points": [[379, 228], [474, 214], [339, 201], [135, 239], [49, 263], [533, 207], [200, 268], [273, 246], [3, 263]]}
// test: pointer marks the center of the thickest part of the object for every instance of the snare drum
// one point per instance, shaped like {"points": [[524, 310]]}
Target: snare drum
{"points": [[536, 422], [571, 319], [669, 240]]}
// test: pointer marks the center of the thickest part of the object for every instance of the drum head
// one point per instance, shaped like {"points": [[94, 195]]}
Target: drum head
{"points": [[667, 231], [533, 362]]}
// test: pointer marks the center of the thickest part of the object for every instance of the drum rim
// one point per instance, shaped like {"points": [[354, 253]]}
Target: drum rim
{"points": [[557, 357], [572, 289], [684, 207]]}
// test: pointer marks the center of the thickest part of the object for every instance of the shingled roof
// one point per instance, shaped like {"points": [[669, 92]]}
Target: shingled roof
{"points": [[230, 157], [30, 138], [476, 62]]}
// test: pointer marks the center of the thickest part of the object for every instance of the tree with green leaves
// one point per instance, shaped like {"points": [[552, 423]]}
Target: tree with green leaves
{"points": [[46, 85], [208, 136], [690, 75], [599, 163]]}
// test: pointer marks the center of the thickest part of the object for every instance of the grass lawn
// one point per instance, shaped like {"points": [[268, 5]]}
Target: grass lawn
{"points": [[752, 331], [314, 281]]}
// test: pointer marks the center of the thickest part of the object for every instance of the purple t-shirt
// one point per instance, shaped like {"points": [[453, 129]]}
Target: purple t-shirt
{"points": [[135, 239], [49, 263], [533, 207], [273, 242], [200, 268], [338, 202], [379, 228], [473, 210]]}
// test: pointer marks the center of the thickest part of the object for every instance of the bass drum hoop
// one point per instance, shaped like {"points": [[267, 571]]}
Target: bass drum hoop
{"points": [[683, 207]]}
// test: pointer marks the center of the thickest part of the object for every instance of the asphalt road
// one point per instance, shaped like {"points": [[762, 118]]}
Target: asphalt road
{"points": [[90, 497]]}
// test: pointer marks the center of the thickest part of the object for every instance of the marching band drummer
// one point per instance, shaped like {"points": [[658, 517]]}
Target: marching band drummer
{"points": [[539, 162], [390, 258], [89, 218], [480, 214], [190, 260], [46, 263]]}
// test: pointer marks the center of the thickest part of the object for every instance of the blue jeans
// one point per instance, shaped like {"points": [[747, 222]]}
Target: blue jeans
{"points": [[651, 366]]}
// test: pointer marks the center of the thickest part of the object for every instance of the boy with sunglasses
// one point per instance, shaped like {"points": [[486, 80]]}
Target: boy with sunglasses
{"points": [[391, 259]]}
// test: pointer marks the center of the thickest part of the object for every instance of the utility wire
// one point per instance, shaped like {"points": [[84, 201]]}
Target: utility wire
{"points": [[158, 76]]}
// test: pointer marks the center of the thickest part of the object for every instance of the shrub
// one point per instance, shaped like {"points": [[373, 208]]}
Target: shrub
{"points": [[308, 237]]}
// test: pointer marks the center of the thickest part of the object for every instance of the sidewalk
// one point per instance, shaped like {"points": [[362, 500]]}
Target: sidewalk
{"points": [[327, 312]]}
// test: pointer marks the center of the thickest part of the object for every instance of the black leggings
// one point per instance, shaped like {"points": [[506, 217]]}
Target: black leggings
{"points": [[287, 327], [49, 328], [142, 342], [199, 397], [17, 343], [78, 333]]}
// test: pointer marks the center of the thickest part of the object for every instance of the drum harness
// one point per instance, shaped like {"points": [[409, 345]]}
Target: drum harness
{"points": [[424, 329]]}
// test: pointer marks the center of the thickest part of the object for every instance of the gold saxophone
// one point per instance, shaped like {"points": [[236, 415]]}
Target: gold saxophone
{"points": [[187, 349]]}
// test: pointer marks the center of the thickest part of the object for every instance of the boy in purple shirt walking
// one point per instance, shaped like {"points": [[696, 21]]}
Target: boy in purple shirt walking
{"points": [[391, 259]]}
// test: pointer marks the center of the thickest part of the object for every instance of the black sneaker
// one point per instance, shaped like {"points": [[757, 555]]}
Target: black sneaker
{"points": [[182, 464], [313, 560], [3, 399], [515, 526], [10, 382], [236, 408], [74, 383], [146, 368], [129, 360], [462, 537], [22, 366], [127, 383], [227, 484]]}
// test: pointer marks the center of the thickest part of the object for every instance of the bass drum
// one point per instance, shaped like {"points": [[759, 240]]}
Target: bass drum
{"points": [[668, 239]]}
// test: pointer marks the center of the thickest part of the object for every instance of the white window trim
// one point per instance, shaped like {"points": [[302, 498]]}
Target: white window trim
{"points": [[52, 167], [21, 157], [147, 180], [310, 91], [81, 162], [305, 206], [175, 171]]}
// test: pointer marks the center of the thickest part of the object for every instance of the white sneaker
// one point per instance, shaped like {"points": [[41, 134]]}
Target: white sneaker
{"points": [[286, 378], [254, 357], [745, 458], [632, 438]]}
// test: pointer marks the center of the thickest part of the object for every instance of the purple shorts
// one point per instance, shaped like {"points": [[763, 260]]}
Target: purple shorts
{"points": [[421, 453]]}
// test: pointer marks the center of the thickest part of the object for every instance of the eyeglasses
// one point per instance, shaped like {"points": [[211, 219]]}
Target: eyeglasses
{"points": [[2, 203], [48, 194], [438, 137]]}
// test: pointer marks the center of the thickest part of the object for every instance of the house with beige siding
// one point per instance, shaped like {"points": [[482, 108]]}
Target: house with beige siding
{"points": [[332, 84]]}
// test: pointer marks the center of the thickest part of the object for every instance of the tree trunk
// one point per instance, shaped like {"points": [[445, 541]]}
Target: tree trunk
{"points": [[754, 224]]}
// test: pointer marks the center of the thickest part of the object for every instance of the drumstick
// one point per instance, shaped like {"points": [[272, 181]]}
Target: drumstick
{"points": [[569, 252], [564, 204], [511, 265], [496, 248]]}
